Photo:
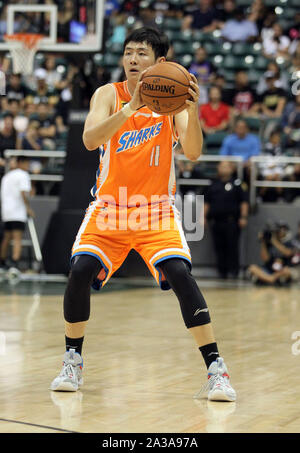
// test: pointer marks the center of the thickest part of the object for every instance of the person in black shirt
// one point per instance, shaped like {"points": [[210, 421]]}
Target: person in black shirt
{"points": [[226, 209], [241, 97], [204, 17], [273, 99], [15, 89]]}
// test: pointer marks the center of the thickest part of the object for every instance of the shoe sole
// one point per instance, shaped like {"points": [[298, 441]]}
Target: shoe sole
{"points": [[218, 395]]}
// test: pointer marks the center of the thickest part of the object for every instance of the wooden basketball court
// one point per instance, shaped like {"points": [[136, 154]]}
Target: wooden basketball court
{"points": [[142, 367]]}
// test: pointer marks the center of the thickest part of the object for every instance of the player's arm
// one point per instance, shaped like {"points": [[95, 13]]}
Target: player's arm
{"points": [[101, 123], [188, 126], [25, 196]]}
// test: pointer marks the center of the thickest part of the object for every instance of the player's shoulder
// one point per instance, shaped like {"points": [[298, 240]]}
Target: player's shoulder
{"points": [[103, 94]]}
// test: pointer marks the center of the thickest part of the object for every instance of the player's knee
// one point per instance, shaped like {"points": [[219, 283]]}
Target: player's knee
{"points": [[176, 271], [84, 269]]}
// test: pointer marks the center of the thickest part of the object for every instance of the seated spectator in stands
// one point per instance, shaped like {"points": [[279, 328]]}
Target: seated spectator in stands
{"points": [[271, 169], [276, 251], [52, 77], [201, 67], [272, 101], [258, 13], [43, 92], [15, 89], [241, 142], [20, 120], [8, 138], [239, 29], [32, 141], [241, 97], [47, 128], [282, 80], [290, 121], [215, 115], [204, 17], [275, 44], [225, 11]]}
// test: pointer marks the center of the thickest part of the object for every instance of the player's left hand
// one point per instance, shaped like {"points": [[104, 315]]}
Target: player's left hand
{"points": [[192, 105]]}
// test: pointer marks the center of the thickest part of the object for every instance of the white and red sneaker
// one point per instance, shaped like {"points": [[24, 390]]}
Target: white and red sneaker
{"points": [[70, 377], [219, 388]]}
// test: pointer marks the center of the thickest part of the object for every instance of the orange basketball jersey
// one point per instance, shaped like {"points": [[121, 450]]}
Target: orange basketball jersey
{"points": [[139, 157]]}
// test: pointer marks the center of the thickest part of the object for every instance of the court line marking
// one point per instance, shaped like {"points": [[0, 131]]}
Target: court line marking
{"points": [[39, 426]]}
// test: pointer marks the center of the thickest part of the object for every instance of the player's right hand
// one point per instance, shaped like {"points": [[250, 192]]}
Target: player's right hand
{"points": [[136, 101]]}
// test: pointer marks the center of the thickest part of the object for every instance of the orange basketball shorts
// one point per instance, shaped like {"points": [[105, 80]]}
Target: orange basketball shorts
{"points": [[109, 232]]}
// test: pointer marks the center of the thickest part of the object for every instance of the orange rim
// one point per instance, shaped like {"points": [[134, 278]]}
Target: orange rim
{"points": [[28, 39]]}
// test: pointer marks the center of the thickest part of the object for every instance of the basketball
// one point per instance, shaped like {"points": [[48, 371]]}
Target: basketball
{"points": [[165, 88]]}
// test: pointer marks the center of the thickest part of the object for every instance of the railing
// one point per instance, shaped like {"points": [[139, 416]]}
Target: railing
{"points": [[43, 177], [209, 158], [254, 182]]}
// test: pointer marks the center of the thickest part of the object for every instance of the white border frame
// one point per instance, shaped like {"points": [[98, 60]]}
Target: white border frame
{"points": [[49, 44]]}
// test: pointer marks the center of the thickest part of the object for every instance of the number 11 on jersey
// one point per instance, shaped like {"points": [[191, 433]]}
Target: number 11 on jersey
{"points": [[154, 159]]}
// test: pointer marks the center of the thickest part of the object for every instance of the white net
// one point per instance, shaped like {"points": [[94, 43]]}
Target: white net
{"points": [[23, 49]]}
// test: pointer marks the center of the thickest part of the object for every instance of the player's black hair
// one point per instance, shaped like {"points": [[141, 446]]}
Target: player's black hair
{"points": [[157, 40]]}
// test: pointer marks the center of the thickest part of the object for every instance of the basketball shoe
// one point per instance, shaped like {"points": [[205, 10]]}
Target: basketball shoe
{"points": [[218, 387], [70, 377]]}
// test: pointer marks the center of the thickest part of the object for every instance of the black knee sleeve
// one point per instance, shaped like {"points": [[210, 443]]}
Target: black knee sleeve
{"points": [[193, 306], [84, 270]]}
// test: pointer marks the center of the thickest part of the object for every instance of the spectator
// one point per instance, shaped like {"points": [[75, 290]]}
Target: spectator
{"points": [[20, 121], [239, 29], [8, 138], [275, 44], [204, 17], [53, 78], [273, 99], [241, 142], [275, 251], [258, 13], [47, 127], [271, 169], [201, 67], [188, 170], [226, 11], [15, 209], [241, 97], [280, 82], [15, 89], [43, 92], [226, 208], [215, 115], [291, 123]]}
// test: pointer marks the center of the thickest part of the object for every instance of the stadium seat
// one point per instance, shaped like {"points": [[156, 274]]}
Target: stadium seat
{"points": [[172, 23], [244, 48], [254, 124], [213, 48], [233, 62], [212, 141], [261, 62], [181, 48], [218, 61]]}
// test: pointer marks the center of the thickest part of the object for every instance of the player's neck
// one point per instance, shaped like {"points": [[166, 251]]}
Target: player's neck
{"points": [[131, 87]]}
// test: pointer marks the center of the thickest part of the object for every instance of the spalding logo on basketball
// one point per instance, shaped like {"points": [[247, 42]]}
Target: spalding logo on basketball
{"points": [[165, 88]]}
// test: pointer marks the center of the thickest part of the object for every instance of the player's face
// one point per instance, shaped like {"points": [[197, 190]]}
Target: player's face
{"points": [[137, 57]]}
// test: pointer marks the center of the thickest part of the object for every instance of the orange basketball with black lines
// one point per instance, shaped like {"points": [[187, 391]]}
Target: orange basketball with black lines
{"points": [[165, 88]]}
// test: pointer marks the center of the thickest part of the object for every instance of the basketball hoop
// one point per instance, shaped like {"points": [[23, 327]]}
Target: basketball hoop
{"points": [[23, 47]]}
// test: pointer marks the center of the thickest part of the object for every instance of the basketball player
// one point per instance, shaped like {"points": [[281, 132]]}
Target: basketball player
{"points": [[136, 162]]}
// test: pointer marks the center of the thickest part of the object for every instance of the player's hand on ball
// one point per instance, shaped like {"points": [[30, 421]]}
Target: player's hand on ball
{"points": [[136, 101], [192, 105]]}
